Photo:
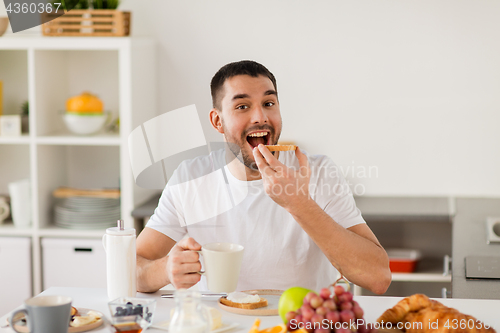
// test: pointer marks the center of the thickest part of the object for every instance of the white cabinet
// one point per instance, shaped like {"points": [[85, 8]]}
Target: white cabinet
{"points": [[46, 71], [73, 263], [15, 272]]}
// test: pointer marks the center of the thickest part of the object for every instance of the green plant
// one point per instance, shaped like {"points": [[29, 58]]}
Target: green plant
{"points": [[25, 108], [86, 4]]}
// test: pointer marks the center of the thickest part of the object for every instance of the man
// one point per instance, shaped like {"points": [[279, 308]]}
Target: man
{"points": [[297, 227]]}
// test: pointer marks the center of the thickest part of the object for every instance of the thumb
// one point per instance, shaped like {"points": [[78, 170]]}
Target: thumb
{"points": [[189, 244], [303, 162]]}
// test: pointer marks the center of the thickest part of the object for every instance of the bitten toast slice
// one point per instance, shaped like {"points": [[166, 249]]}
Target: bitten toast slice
{"points": [[249, 306], [281, 147]]}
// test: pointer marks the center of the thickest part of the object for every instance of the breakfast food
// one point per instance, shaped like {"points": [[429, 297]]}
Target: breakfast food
{"points": [[84, 103], [419, 314], [74, 311], [243, 301], [90, 318], [281, 147]]}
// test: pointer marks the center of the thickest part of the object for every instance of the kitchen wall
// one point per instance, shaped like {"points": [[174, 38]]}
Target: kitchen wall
{"points": [[403, 95]]}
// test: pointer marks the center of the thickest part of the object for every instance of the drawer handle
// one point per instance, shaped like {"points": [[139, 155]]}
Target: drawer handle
{"points": [[83, 249]]}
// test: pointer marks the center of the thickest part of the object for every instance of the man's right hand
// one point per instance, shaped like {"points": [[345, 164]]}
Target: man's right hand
{"points": [[183, 264]]}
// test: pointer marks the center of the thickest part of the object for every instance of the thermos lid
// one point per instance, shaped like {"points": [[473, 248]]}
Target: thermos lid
{"points": [[120, 230]]}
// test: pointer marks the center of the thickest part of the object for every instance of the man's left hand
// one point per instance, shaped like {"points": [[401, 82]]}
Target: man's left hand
{"points": [[286, 186]]}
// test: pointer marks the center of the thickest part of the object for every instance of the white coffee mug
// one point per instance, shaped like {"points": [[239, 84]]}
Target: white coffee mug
{"points": [[20, 202], [4, 209], [222, 265]]}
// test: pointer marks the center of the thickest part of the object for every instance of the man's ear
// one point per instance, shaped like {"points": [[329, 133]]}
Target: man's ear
{"points": [[216, 120]]}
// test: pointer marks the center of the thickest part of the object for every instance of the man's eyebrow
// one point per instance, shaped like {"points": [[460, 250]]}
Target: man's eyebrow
{"points": [[267, 93], [240, 96]]}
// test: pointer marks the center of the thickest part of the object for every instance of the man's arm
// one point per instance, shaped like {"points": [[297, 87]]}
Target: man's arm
{"points": [[355, 252], [161, 261]]}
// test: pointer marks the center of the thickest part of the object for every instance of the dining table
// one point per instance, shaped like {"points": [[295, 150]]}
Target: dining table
{"points": [[485, 310]]}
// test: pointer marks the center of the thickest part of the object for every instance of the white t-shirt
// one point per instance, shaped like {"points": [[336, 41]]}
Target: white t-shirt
{"points": [[205, 201]]}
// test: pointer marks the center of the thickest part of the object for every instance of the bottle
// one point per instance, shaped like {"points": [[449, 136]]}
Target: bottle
{"points": [[190, 316], [119, 244]]}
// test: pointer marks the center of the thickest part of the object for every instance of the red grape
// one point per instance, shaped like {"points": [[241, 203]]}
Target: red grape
{"points": [[343, 330], [358, 311], [299, 319], [325, 293], [339, 290], [317, 318], [322, 330], [333, 316], [309, 296], [321, 310], [290, 315], [307, 312], [346, 306], [347, 316], [316, 302], [330, 304]]}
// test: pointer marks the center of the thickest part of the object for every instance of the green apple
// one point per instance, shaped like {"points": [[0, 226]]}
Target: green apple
{"points": [[291, 300]]}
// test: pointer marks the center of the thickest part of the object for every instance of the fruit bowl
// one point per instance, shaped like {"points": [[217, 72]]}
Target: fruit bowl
{"points": [[85, 123], [127, 311]]}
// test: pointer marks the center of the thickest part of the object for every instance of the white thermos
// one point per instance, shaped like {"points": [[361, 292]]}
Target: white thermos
{"points": [[119, 244]]}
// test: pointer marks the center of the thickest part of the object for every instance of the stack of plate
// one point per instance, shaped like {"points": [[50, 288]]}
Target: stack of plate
{"points": [[87, 213]]}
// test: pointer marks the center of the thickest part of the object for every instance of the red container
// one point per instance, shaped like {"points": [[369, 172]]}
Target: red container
{"points": [[403, 260]]}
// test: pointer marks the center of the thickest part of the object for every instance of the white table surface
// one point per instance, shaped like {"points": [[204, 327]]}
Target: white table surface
{"points": [[95, 298]]}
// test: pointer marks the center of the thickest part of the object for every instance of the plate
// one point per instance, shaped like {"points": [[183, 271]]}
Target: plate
{"points": [[81, 311], [272, 296], [225, 326]]}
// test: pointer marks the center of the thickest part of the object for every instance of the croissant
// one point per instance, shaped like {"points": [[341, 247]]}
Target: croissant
{"points": [[419, 314]]}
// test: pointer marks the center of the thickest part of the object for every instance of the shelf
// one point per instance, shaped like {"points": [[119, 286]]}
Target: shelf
{"points": [[428, 270], [105, 139], [53, 231], [15, 140], [7, 228]]}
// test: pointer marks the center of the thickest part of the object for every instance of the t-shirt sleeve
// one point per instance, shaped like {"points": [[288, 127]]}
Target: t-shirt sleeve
{"points": [[333, 194], [168, 217]]}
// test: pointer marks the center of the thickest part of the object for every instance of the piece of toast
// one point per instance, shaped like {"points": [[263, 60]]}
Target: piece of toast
{"points": [[281, 147], [74, 311], [248, 306]]}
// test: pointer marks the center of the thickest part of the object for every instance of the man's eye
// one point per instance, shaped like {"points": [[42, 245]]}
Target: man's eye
{"points": [[242, 107], [269, 104]]}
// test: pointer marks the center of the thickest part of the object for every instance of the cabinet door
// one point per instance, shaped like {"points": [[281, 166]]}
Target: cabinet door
{"points": [[73, 263], [15, 275]]}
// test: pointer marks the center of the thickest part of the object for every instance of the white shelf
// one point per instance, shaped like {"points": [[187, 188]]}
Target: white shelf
{"points": [[421, 277], [104, 139], [46, 71], [15, 140]]}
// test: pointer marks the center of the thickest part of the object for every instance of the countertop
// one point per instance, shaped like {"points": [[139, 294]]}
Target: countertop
{"points": [[374, 306], [469, 238]]}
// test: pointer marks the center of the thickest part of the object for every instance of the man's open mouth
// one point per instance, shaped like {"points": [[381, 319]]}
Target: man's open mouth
{"points": [[257, 138]]}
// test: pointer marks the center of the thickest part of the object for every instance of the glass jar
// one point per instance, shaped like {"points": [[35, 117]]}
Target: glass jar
{"points": [[190, 316]]}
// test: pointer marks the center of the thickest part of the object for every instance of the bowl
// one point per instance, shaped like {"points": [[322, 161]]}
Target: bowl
{"points": [[86, 123], [403, 260], [4, 24], [129, 311]]}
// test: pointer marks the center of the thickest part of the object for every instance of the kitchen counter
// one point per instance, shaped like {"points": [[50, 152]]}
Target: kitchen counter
{"points": [[374, 306], [469, 238]]}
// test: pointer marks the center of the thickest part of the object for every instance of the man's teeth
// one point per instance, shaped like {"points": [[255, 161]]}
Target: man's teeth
{"points": [[258, 134]]}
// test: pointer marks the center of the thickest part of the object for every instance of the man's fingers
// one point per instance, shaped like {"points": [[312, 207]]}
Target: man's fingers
{"points": [[189, 244], [269, 157], [303, 162], [264, 168]]}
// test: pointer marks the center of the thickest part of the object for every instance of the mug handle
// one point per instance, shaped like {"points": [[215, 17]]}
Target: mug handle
{"points": [[13, 317], [201, 272]]}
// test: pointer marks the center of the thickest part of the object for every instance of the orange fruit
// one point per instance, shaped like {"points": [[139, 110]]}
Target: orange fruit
{"points": [[84, 103], [275, 329], [255, 326]]}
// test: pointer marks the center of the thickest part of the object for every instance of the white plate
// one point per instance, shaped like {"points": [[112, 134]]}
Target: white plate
{"points": [[225, 326]]}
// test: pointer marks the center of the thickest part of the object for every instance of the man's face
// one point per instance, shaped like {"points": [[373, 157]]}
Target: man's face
{"points": [[250, 114]]}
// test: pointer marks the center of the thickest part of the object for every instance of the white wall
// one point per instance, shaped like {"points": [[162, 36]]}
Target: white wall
{"points": [[408, 88]]}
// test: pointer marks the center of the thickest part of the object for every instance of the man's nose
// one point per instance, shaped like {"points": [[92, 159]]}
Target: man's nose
{"points": [[259, 115]]}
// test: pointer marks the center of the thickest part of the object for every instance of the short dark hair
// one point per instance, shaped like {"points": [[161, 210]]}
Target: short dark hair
{"points": [[243, 67]]}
